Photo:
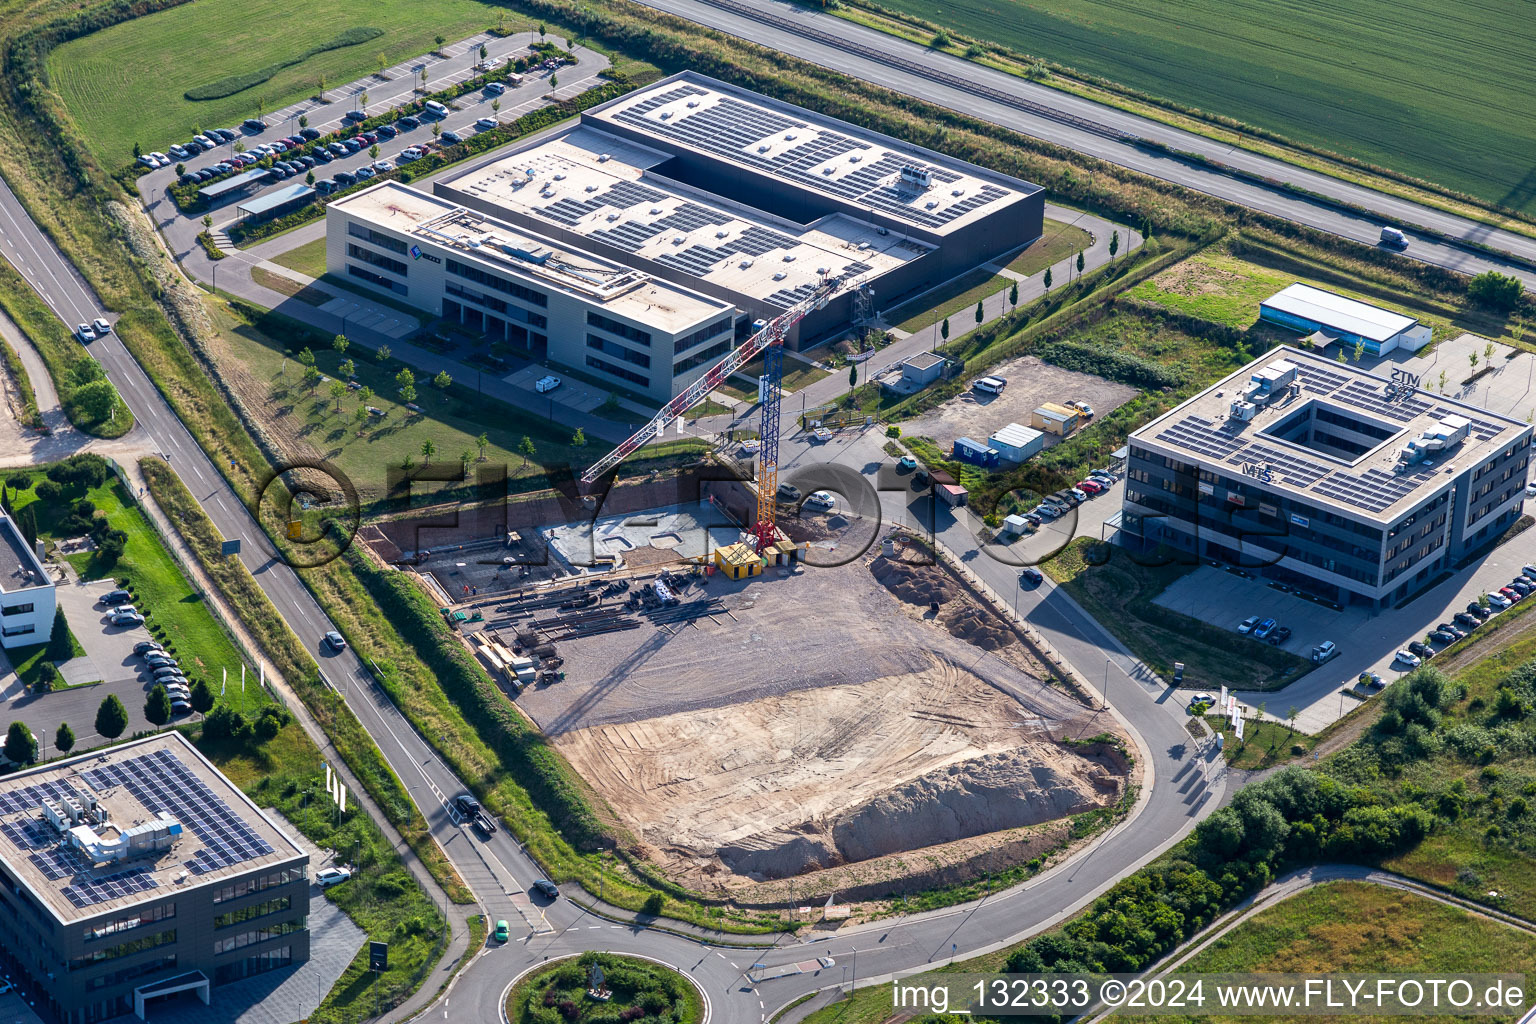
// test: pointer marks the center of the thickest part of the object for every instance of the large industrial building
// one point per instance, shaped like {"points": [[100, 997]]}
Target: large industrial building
{"points": [[1344, 484], [27, 598], [1329, 317], [137, 873], [721, 195]]}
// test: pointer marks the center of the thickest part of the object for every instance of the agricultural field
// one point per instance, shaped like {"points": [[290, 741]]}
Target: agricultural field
{"points": [[1356, 926], [1396, 84], [126, 84]]}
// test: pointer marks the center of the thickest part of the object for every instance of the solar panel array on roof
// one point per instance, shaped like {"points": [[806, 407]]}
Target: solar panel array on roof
{"points": [[1297, 471], [161, 782], [1363, 394], [1198, 435], [691, 216], [733, 129], [113, 887], [629, 236], [56, 862], [755, 241], [1481, 428], [28, 834], [697, 260], [625, 194], [1372, 490], [30, 798], [1320, 380], [786, 297]]}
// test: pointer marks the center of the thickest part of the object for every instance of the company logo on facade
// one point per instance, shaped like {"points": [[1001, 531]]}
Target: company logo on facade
{"points": [[1405, 378], [417, 254], [1301, 521]]}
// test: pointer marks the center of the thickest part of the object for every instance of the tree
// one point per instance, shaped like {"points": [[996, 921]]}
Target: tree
{"points": [[238, 147], [1013, 294], [1114, 243], [442, 380], [495, 106], [364, 395], [407, 463], [312, 377], [406, 383], [338, 391], [1290, 718], [320, 81], [1495, 290], [96, 400], [526, 448], [439, 40], [484, 53], [1442, 380], [1079, 263], [423, 79], [541, 32], [306, 357], [465, 458], [437, 129], [362, 102], [137, 151], [347, 368], [225, 724], [383, 63], [303, 120], [64, 738], [207, 221], [158, 707], [1472, 358], [428, 449], [944, 329], [1488, 353], [201, 698], [1047, 278], [20, 744], [979, 314], [111, 717], [853, 376], [579, 439], [383, 352], [373, 151], [340, 343], [309, 179], [59, 646], [1359, 350], [482, 442], [181, 169]]}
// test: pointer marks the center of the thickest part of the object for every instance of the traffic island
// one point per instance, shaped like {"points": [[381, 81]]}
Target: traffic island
{"points": [[604, 988]]}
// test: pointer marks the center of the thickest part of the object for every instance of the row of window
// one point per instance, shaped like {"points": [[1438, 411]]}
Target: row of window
{"points": [[138, 970], [618, 371], [255, 935], [146, 915], [364, 274], [128, 948], [704, 333], [252, 912], [491, 302], [266, 960], [377, 238], [611, 348], [17, 630], [703, 355], [501, 284], [272, 879], [17, 609], [623, 330], [376, 259]]}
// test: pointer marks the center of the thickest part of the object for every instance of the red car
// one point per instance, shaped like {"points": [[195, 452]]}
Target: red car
{"points": [[1091, 486], [1511, 593]]}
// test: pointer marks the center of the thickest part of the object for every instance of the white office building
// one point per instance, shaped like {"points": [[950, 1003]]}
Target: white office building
{"points": [[26, 591], [543, 298]]}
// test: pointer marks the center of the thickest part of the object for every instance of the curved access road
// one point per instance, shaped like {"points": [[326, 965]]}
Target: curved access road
{"points": [[1109, 134]]}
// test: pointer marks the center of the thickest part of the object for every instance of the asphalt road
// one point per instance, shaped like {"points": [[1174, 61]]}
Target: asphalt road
{"points": [[830, 41]]}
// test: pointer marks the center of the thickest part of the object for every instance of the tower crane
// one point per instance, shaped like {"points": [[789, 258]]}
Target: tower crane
{"points": [[768, 341]]}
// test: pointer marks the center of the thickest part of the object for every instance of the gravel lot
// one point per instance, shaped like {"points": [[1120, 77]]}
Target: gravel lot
{"points": [[1031, 383]]}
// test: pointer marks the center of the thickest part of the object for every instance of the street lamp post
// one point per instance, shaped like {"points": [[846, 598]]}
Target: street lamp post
{"points": [[1105, 691]]}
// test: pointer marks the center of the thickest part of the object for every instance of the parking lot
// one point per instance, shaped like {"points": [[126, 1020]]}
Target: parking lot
{"points": [[1225, 599], [1031, 383], [108, 666]]}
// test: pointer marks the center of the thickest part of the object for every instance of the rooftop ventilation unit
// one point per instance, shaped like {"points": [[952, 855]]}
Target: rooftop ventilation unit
{"points": [[1241, 410], [957, 191], [826, 171], [1445, 435], [1269, 382], [655, 210], [679, 239], [591, 188], [780, 276], [692, 104], [666, 115], [744, 264], [789, 136], [603, 158], [789, 258], [559, 177], [763, 148], [855, 158], [914, 177], [721, 233]]}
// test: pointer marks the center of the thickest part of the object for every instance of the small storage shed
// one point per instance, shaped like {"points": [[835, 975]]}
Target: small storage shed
{"points": [[973, 451], [738, 560], [1054, 419], [922, 369], [1015, 525], [1016, 442]]}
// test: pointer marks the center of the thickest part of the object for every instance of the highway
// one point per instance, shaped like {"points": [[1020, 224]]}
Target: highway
{"points": [[1015, 103]]}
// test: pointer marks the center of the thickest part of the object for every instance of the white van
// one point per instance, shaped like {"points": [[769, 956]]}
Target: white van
{"points": [[1394, 238], [436, 109], [990, 385]]}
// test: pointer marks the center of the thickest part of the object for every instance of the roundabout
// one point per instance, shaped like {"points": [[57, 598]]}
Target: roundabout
{"points": [[597, 987]]}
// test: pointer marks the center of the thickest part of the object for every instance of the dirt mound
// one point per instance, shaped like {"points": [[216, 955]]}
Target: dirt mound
{"points": [[915, 581], [983, 794]]}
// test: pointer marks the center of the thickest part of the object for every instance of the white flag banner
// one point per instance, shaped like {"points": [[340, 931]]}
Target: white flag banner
{"points": [[242, 677], [327, 778], [1237, 718], [1223, 702], [343, 800], [1239, 728]]}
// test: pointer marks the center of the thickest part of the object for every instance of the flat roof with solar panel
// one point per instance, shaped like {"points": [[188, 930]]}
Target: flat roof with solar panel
{"points": [[1331, 433], [145, 820]]}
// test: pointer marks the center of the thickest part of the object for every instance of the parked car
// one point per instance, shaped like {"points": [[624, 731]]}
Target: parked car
{"points": [[1422, 649], [1247, 625], [127, 618], [387, 131], [408, 122], [1279, 636], [485, 124], [450, 138], [1409, 658], [495, 88], [145, 646], [310, 133], [353, 116], [338, 148], [344, 178], [1521, 584], [279, 146], [906, 463], [1478, 612], [544, 887], [1371, 678], [251, 124], [1090, 487], [1030, 575], [334, 640], [1499, 601], [327, 877], [821, 499], [165, 671], [1452, 629], [382, 166], [307, 162], [353, 145], [1083, 409], [364, 173], [1509, 594], [1466, 620], [1444, 636], [546, 383], [112, 597], [1264, 628], [1324, 651], [788, 493], [411, 153], [325, 186]]}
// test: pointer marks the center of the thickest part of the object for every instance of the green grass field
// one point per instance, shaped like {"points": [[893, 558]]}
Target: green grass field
{"points": [[125, 84], [1058, 241], [308, 258], [160, 590], [1344, 927], [1422, 88]]}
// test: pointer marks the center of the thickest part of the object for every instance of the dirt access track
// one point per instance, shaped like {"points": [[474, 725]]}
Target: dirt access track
{"points": [[1031, 383], [823, 721]]}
